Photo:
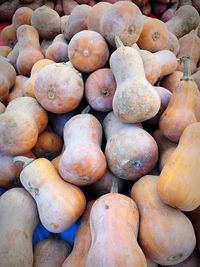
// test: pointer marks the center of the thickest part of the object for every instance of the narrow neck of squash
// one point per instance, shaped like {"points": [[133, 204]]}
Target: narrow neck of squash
{"points": [[186, 68], [26, 161], [114, 188]]}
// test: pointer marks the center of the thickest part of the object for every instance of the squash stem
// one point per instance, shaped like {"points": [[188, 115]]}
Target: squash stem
{"points": [[186, 68], [114, 188], [86, 110], [118, 42], [26, 161]]}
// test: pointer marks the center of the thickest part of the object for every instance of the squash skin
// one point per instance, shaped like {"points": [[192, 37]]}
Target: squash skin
{"points": [[118, 233], [42, 181], [19, 218], [51, 252], [82, 241], [130, 151], [29, 49], [22, 16], [179, 181], [85, 166], [17, 90], [159, 224], [172, 80], [2, 108], [181, 110], [5, 50], [8, 34], [135, 100], [194, 217]]}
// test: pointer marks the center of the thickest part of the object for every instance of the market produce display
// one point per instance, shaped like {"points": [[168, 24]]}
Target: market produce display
{"points": [[99, 133]]}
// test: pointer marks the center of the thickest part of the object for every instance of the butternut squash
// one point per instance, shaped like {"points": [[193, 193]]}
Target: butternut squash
{"points": [[82, 240], [172, 80], [17, 89], [85, 166], [19, 218], [51, 252], [67, 202], [8, 35], [159, 224], [135, 99], [181, 110], [22, 16], [194, 217], [5, 50], [13, 55], [179, 180], [130, 151], [120, 233]]}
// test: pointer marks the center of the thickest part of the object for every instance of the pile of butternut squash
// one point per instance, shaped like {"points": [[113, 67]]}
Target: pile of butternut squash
{"points": [[100, 126]]}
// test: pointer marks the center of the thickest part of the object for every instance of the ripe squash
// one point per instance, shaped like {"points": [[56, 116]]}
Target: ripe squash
{"points": [[5, 50], [172, 80], [130, 151], [49, 145], [196, 77], [58, 50], [46, 21], [41, 180], [7, 79], [13, 55], [62, 91], [179, 181], [154, 35], [123, 19], [10, 170], [20, 136], [100, 88], [8, 35], [194, 216], [160, 224], [85, 166], [17, 90], [104, 185], [88, 51], [76, 21], [95, 14], [135, 99], [181, 110], [19, 218], [22, 16], [29, 49], [116, 244], [165, 148], [82, 240], [28, 88], [173, 44], [51, 252], [185, 19]]}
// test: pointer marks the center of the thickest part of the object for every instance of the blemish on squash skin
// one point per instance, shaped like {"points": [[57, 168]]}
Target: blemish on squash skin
{"points": [[155, 36], [51, 93], [106, 207], [33, 190]]}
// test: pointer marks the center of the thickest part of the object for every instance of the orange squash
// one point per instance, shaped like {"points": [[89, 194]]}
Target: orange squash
{"points": [[5, 50], [58, 50], [76, 21], [181, 110], [19, 218], [62, 91], [17, 90], [123, 19], [22, 16], [51, 252], [20, 136], [154, 35], [173, 44], [120, 233], [100, 88], [29, 49], [82, 241], [88, 51], [130, 151], [165, 148], [8, 34], [41, 180], [159, 224], [172, 80], [179, 181], [85, 166]]}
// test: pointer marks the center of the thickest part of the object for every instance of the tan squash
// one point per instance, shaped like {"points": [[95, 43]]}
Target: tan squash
{"points": [[160, 224], [8, 35], [28, 88], [181, 110], [62, 91], [67, 202], [13, 55], [179, 181], [17, 89], [114, 242], [22, 16], [51, 252], [165, 147], [82, 240], [172, 80], [5, 50], [135, 99], [19, 218], [85, 166], [130, 151], [29, 49], [173, 44]]}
